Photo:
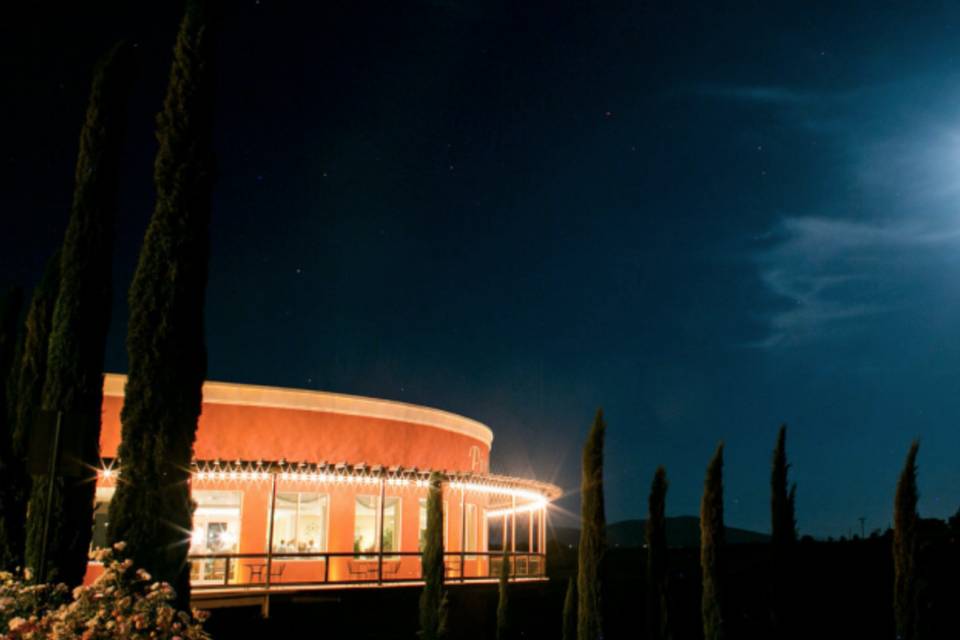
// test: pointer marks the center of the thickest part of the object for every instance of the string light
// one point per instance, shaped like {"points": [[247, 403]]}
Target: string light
{"points": [[341, 473], [533, 506]]}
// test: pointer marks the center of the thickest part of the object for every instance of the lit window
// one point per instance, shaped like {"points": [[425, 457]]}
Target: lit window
{"points": [[365, 525], [300, 523], [472, 528], [216, 522], [216, 530]]}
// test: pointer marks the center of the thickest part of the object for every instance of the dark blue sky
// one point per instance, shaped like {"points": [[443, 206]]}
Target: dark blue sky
{"points": [[707, 221]]}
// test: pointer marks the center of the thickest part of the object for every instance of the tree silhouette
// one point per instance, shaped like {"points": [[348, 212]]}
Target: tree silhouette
{"points": [[658, 619], [433, 599], [593, 538], [711, 545], [166, 351], [905, 548], [73, 383]]}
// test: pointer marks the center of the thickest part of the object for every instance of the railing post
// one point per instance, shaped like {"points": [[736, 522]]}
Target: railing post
{"points": [[513, 536]]}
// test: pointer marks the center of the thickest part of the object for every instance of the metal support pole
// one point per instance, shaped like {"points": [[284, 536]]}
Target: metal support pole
{"points": [[51, 479], [273, 510], [380, 543], [513, 535], [463, 533], [503, 545], [513, 524], [530, 532], [543, 538]]}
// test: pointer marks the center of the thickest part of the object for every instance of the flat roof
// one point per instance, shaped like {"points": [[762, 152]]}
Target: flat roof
{"points": [[231, 393]]}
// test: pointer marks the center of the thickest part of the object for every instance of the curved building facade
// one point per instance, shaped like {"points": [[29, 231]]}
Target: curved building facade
{"points": [[297, 487]]}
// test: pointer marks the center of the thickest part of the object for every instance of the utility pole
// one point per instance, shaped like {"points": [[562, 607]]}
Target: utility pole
{"points": [[862, 530]]}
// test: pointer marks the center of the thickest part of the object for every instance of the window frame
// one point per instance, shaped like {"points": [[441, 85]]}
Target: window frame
{"points": [[378, 528]]}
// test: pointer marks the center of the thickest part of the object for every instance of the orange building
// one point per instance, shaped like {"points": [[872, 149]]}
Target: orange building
{"points": [[298, 487]]}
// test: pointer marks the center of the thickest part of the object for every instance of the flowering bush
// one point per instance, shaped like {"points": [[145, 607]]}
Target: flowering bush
{"points": [[121, 603]]}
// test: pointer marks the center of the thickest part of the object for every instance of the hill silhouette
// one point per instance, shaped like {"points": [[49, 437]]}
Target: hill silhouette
{"points": [[682, 531]]}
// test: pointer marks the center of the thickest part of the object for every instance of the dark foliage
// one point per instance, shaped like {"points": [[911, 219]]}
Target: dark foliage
{"points": [[905, 549], [166, 351], [658, 618], [593, 544], [73, 384], [569, 629], [433, 598], [10, 305], [503, 601], [711, 548], [25, 390]]}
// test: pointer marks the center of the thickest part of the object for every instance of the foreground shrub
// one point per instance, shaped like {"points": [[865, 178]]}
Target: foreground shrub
{"points": [[122, 603]]}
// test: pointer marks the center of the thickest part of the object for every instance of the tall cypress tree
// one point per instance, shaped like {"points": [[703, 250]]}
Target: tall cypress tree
{"points": [[152, 509], [658, 620], [25, 387], [593, 536], [782, 518], [503, 601], [10, 304], [711, 545], [783, 526], [905, 549], [433, 599], [570, 611], [73, 384]]}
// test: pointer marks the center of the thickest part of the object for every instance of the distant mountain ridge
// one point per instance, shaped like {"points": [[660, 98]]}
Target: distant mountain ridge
{"points": [[682, 531]]}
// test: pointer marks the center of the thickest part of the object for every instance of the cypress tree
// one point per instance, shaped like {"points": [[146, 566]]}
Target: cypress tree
{"points": [[73, 384], [905, 549], [570, 611], [433, 599], [658, 621], [593, 536], [711, 544], [783, 526], [10, 305], [782, 518], [152, 510], [503, 603], [25, 387]]}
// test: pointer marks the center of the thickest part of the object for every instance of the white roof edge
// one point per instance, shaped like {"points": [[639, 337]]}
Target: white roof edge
{"points": [[325, 402]]}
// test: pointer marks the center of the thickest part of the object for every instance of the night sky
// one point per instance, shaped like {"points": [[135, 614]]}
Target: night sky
{"points": [[707, 221]]}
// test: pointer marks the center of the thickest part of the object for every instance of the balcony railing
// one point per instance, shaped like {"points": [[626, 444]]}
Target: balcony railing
{"points": [[263, 570]]}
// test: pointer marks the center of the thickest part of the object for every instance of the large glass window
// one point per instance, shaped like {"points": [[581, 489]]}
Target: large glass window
{"points": [[366, 521], [300, 523], [216, 530], [423, 524]]}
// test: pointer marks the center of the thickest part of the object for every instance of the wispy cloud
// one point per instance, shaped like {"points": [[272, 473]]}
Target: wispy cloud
{"points": [[830, 272], [893, 203], [771, 95]]}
